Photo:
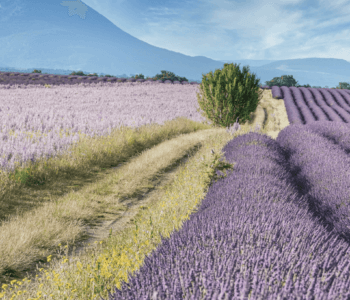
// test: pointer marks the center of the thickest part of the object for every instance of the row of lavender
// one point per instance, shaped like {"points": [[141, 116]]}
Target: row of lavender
{"points": [[17, 78], [305, 105], [277, 227]]}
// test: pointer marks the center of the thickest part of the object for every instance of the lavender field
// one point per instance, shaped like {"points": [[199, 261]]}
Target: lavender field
{"points": [[91, 110], [276, 228], [242, 216], [16, 78], [305, 105]]}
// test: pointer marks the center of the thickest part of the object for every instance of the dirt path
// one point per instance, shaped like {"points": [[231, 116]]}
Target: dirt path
{"points": [[118, 221]]}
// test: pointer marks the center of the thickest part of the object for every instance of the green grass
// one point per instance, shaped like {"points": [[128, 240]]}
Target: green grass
{"points": [[162, 175]]}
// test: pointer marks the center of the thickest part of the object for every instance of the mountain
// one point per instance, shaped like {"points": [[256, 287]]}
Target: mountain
{"points": [[70, 35], [320, 65], [42, 34]]}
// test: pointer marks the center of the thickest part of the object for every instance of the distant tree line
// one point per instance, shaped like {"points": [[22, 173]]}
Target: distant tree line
{"points": [[284, 80], [288, 80]]}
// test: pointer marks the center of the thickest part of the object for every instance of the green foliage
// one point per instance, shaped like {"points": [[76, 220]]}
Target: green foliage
{"points": [[343, 85], [36, 71], [284, 80], [169, 76], [25, 177], [288, 80], [164, 76], [79, 73], [229, 94], [140, 76]]}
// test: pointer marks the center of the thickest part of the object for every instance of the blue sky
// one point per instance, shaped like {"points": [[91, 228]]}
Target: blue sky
{"points": [[236, 29]]}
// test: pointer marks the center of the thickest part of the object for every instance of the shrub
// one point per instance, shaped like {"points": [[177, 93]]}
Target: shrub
{"points": [[285, 80], [169, 76], [164, 76], [343, 85], [140, 76], [80, 73], [228, 95]]}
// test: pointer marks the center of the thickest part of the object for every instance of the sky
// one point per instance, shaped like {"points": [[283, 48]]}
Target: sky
{"points": [[236, 29]]}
